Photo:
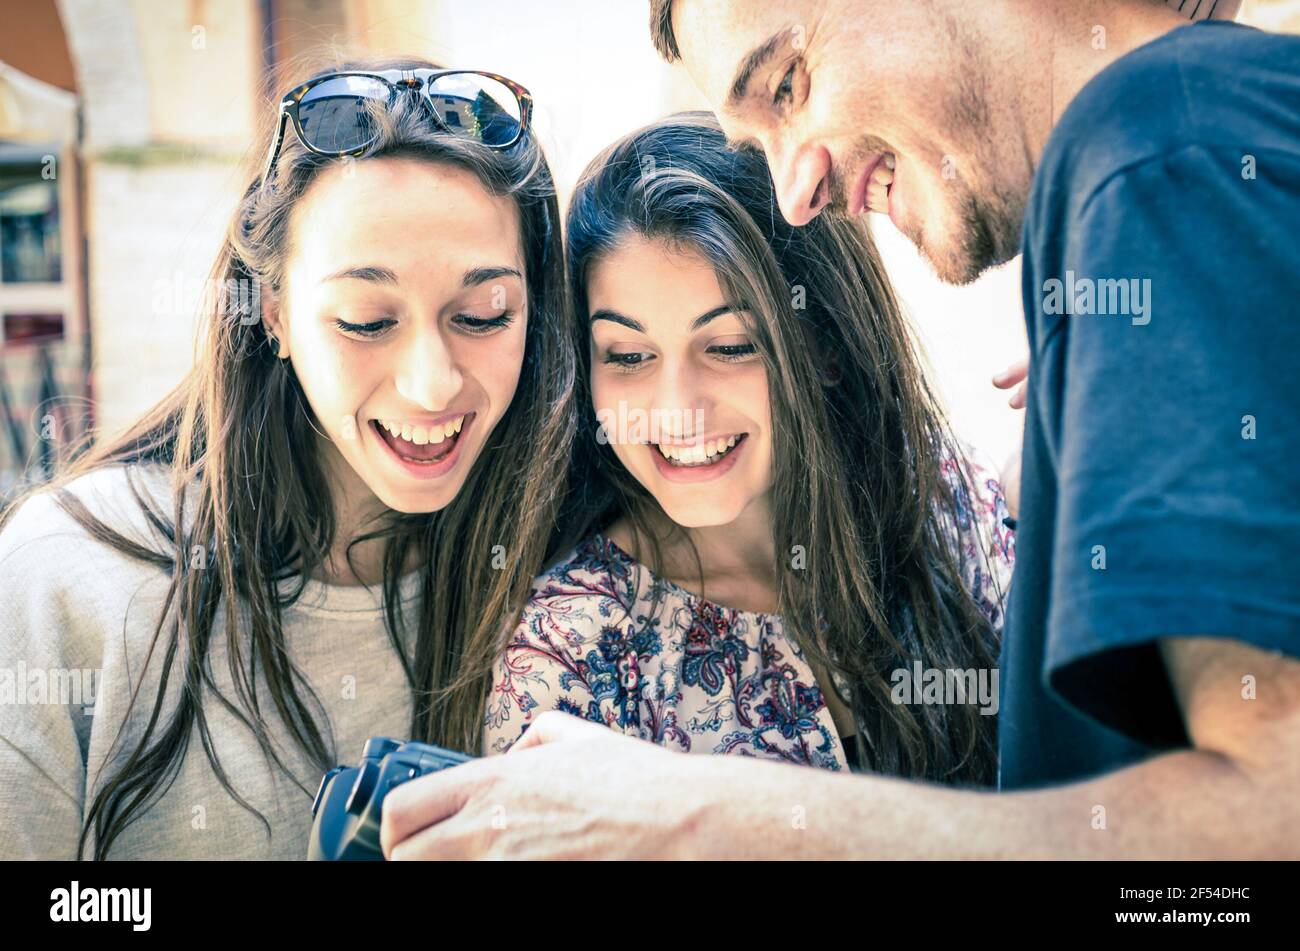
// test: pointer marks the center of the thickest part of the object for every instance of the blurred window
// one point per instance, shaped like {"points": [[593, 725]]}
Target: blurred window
{"points": [[29, 227]]}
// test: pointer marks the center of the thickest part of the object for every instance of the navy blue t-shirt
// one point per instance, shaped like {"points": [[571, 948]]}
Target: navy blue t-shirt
{"points": [[1161, 469]]}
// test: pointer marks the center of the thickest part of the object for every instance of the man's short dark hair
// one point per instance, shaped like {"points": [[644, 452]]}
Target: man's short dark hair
{"points": [[661, 30]]}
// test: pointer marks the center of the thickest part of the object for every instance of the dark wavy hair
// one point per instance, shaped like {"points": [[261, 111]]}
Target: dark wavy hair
{"points": [[867, 478], [242, 410]]}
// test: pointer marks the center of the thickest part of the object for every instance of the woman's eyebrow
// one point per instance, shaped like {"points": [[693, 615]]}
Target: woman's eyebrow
{"points": [[382, 275], [633, 324], [377, 275], [481, 275], [704, 318], [615, 317]]}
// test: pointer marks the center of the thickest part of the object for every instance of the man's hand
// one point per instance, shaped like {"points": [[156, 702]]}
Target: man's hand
{"points": [[571, 789], [1009, 476], [567, 789], [1017, 373]]}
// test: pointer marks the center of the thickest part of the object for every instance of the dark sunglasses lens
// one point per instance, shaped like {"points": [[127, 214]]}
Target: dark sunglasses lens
{"points": [[333, 114], [478, 106]]}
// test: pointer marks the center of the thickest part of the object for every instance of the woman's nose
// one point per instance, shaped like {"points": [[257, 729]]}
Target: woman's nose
{"points": [[429, 376], [680, 400]]}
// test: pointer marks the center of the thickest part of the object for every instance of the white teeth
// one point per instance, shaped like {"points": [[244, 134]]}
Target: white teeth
{"points": [[705, 454], [423, 435]]}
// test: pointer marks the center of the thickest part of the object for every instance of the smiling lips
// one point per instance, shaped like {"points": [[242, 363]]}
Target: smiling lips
{"points": [[872, 190], [706, 452], [420, 442], [702, 461]]}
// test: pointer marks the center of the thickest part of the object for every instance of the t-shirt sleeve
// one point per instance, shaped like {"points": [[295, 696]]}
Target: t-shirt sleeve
{"points": [[1178, 495], [47, 688], [547, 665]]}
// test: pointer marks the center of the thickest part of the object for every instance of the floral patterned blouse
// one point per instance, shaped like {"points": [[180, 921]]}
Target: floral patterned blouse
{"points": [[697, 677]]}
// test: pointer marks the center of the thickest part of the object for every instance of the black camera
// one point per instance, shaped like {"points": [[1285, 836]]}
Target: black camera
{"points": [[349, 803]]}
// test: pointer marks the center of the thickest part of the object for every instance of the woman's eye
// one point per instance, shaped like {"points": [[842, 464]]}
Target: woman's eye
{"points": [[786, 89], [734, 351], [625, 361], [372, 329], [483, 325]]}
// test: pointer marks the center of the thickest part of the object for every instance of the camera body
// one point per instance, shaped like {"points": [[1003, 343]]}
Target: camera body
{"points": [[349, 803]]}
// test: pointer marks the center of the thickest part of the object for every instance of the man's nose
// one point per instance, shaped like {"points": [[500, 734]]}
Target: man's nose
{"points": [[802, 183]]}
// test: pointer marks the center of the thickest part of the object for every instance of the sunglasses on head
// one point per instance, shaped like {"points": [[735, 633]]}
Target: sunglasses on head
{"points": [[330, 114]]}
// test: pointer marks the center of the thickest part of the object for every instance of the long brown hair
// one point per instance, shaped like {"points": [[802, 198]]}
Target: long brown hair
{"points": [[242, 410], [867, 482]]}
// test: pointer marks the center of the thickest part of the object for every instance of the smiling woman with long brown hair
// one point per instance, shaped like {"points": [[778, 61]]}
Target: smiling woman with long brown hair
{"points": [[772, 526], [370, 472]]}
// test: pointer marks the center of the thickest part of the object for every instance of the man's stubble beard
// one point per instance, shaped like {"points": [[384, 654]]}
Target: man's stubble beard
{"points": [[990, 209], [989, 191], [989, 235]]}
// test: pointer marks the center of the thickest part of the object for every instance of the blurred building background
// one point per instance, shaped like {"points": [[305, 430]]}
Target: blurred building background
{"points": [[123, 124]]}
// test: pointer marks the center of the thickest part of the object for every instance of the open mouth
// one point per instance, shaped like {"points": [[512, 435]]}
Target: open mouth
{"points": [[421, 444], [873, 189], [702, 455]]}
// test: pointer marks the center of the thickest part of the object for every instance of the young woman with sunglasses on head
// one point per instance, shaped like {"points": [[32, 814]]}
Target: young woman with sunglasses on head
{"points": [[770, 517], [369, 472]]}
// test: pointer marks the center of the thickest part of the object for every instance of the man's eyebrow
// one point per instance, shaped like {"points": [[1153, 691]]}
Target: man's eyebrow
{"points": [[758, 57], [616, 317], [481, 275], [377, 275]]}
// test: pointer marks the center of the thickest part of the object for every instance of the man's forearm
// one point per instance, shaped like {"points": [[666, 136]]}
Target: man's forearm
{"points": [[1190, 804]]}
